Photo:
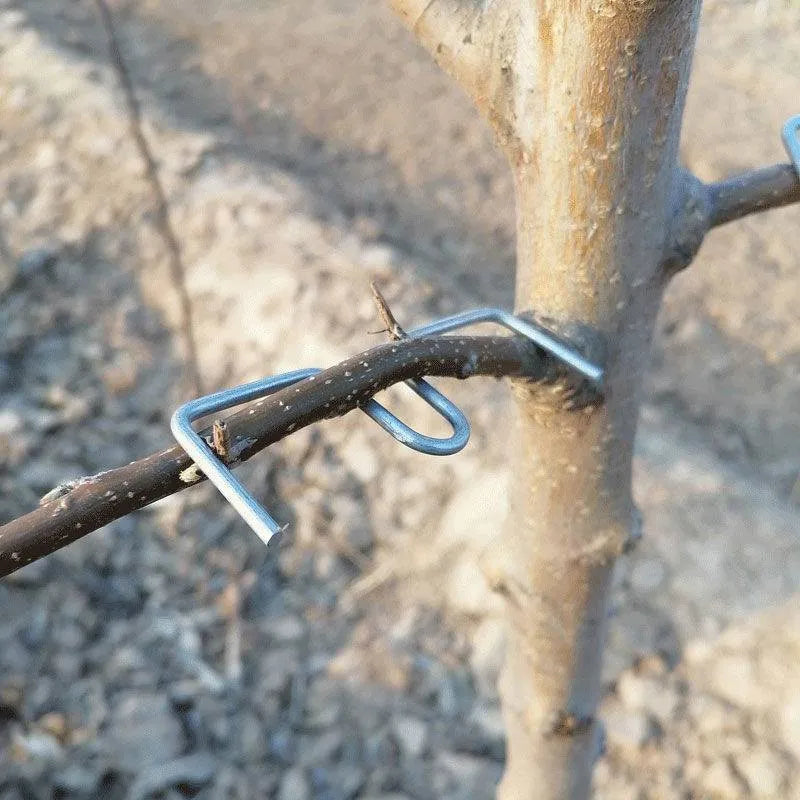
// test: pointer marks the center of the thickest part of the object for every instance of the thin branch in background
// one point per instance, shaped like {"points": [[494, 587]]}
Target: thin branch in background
{"points": [[163, 222], [83, 506], [751, 192]]}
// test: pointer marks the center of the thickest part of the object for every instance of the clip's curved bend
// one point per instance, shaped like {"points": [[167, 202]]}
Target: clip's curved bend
{"points": [[429, 445]]}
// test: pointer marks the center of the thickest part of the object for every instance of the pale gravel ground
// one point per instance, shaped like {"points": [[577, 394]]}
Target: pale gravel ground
{"points": [[306, 151]]}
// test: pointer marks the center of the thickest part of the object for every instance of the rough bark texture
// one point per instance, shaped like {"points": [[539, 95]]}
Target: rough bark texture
{"points": [[594, 188], [586, 98]]}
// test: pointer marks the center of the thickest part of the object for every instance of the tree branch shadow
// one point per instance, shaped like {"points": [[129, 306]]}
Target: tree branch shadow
{"points": [[445, 220]]}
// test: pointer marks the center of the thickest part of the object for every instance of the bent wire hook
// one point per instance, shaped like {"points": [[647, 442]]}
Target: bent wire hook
{"points": [[791, 140], [254, 514]]}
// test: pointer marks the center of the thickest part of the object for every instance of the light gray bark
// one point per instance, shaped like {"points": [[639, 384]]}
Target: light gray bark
{"points": [[586, 100], [596, 174]]}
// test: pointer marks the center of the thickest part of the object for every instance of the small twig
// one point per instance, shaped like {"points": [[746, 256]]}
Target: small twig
{"points": [[393, 328], [95, 501], [163, 221], [221, 440]]}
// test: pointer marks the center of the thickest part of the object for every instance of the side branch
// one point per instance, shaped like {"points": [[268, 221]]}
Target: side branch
{"points": [[456, 33], [93, 502], [759, 190], [698, 207]]}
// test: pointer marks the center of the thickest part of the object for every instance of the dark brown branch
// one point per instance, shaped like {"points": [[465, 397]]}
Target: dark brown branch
{"points": [[163, 221], [93, 502], [759, 190]]}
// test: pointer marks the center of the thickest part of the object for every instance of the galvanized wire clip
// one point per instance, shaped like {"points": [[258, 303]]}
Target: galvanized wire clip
{"points": [[791, 141], [536, 333], [254, 514], [251, 511]]}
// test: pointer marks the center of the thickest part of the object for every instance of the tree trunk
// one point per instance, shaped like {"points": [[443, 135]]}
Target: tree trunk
{"points": [[586, 98], [595, 174]]}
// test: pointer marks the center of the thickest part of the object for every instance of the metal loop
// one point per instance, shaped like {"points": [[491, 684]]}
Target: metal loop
{"points": [[791, 140], [430, 445]]}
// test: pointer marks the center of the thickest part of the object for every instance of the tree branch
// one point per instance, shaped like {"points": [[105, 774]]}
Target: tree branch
{"points": [[759, 190], [76, 509], [698, 207], [455, 33]]}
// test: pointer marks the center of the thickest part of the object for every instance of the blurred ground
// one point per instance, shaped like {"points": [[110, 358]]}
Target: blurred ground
{"points": [[306, 149]]}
